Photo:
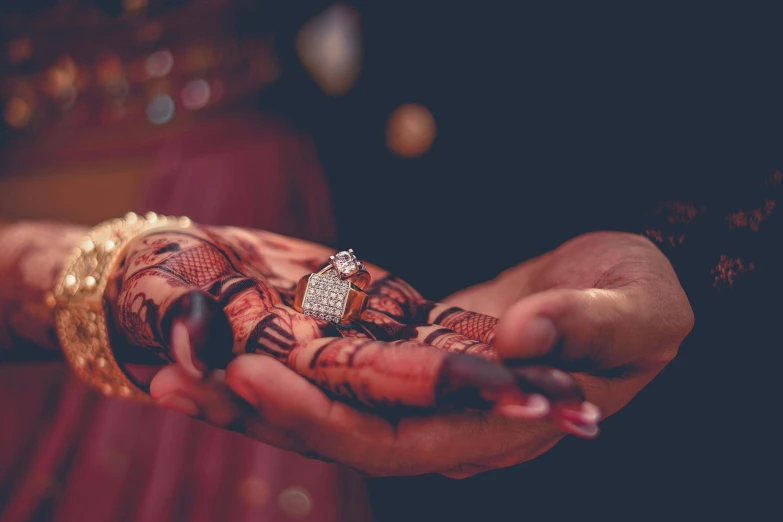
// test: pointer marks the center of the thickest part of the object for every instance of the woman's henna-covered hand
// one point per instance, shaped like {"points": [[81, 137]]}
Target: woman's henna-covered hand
{"points": [[204, 296]]}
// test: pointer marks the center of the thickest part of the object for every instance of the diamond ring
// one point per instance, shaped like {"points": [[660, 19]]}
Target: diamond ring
{"points": [[334, 294], [347, 267]]}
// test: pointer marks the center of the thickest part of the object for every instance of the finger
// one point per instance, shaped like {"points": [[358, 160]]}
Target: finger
{"points": [[261, 322], [470, 324], [587, 328], [152, 302], [398, 300], [213, 401], [450, 341], [367, 442], [382, 327], [407, 374], [210, 400], [580, 330]]}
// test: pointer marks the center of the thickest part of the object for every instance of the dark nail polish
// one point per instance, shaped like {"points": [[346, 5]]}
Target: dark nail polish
{"points": [[556, 385], [468, 381], [209, 330]]}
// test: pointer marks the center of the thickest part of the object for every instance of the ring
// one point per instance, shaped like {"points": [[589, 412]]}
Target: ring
{"points": [[336, 293], [348, 268]]}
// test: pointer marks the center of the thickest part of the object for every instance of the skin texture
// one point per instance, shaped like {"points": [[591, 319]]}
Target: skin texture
{"points": [[203, 296], [418, 387], [607, 307], [31, 259]]}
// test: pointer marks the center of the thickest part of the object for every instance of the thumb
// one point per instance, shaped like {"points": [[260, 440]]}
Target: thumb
{"points": [[198, 332], [175, 321], [568, 328]]}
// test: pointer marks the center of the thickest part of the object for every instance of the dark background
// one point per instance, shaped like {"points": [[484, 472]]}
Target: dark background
{"points": [[555, 121]]}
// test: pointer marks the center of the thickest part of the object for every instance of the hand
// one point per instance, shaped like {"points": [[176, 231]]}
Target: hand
{"points": [[199, 297], [605, 306]]}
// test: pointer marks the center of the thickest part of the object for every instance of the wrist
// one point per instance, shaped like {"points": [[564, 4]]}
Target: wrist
{"points": [[32, 256]]}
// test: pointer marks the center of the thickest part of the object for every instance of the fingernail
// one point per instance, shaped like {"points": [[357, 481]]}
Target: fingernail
{"points": [[210, 335], [540, 333], [183, 351], [535, 407], [590, 412], [247, 393], [587, 431], [179, 403], [556, 385], [468, 381], [587, 413]]}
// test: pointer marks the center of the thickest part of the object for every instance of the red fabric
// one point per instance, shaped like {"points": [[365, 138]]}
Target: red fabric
{"points": [[69, 454]]}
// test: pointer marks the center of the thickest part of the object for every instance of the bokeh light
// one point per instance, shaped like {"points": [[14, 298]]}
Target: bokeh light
{"points": [[330, 48], [20, 50], [109, 68], [410, 130], [133, 5], [195, 94], [17, 113], [159, 63], [60, 79], [160, 109]]}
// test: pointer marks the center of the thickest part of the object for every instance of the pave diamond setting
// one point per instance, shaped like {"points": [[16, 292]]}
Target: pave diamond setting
{"points": [[325, 297], [345, 263]]}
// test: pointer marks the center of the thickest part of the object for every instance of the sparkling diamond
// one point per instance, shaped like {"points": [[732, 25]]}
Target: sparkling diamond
{"points": [[325, 297], [346, 263]]}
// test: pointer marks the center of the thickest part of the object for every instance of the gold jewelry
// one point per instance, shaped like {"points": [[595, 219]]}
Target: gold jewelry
{"points": [[336, 293], [78, 298], [330, 299]]}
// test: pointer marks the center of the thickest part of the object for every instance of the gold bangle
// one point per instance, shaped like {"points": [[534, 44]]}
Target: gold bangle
{"points": [[78, 298]]}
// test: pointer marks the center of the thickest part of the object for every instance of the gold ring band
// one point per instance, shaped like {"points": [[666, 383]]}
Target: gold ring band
{"points": [[329, 298]]}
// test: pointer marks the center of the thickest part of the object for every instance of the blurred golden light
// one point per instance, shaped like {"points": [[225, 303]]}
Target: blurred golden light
{"points": [[410, 130], [20, 50], [160, 109], [133, 5], [61, 77], [330, 48], [17, 113], [109, 68], [195, 95], [159, 63]]}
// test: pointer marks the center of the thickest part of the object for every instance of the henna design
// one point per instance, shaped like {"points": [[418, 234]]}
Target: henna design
{"points": [[399, 300], [373, 373], [270, 337], [470, 324], [451, 341]]}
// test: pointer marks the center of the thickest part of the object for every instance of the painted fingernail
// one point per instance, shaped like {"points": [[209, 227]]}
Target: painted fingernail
{"points": [[587, 431], [556, 385], [535, 407], [179, 403], [586, 413], [209, 331], [469, 381], [183, 352]]}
